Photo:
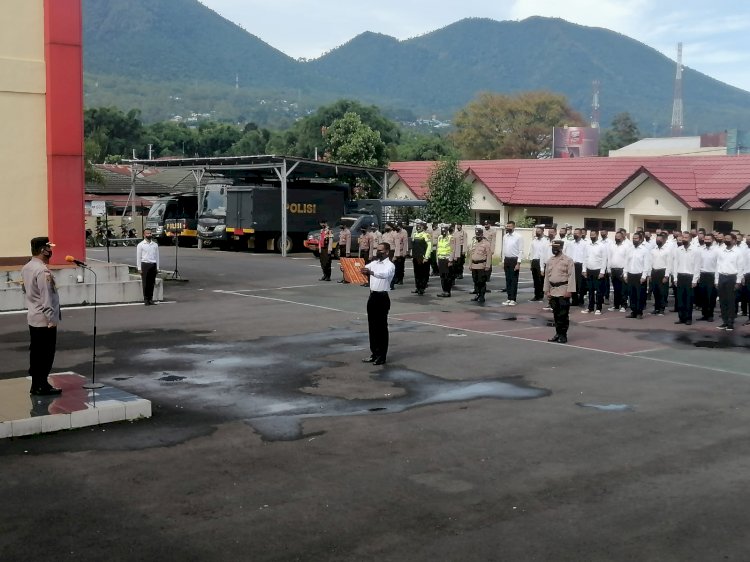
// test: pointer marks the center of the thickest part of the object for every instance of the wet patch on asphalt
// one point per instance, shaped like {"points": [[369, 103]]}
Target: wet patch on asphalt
{"points": [[262, 381]]}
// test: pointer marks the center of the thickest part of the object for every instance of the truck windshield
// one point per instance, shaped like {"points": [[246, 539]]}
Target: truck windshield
{"points": [[154, 212], [346, 221], [214, 204]]}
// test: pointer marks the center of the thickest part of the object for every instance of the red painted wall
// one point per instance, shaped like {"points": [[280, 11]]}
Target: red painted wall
{"points": [[63, 33]]}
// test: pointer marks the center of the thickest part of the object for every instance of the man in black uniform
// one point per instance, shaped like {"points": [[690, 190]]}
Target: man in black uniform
{"points": [[325, 247]]}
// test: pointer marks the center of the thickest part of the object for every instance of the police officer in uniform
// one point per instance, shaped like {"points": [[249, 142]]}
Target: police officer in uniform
{"points": [[444, 256], [421, 250], [364, 244], [345, 245], [480, 263], [434, 234], [325, 247], [43, 316], [559, 286]]}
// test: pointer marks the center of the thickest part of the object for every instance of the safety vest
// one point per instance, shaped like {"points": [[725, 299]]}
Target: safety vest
{"points": [[444, 250]]}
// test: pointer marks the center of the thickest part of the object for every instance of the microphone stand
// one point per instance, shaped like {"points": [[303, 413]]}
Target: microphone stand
{"points": [[93, 385]]}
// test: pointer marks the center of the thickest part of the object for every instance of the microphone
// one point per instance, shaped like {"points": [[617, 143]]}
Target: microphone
{"points": [[79, 263]]}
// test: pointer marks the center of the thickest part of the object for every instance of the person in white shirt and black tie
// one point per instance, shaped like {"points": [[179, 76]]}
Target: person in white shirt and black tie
{"points": [[595, 258], [512, 252], [538, 255], [147, 262], [637, 269], [618, 257], [686, 265], [707, 280], [729, 271], [661, 269], [380, 272]]}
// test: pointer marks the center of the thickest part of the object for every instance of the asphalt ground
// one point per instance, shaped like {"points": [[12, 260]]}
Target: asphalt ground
{"points": [[479, 440]]}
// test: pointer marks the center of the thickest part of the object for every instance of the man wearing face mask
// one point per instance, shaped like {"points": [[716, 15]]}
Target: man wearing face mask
{"points": [[43, 316], [434, 233], [538, 254], [575, 251], [706, 281], [686, 270], [480, 255], [559, 285], [147, 262], [637, 269], [661, 269], [380, 272], [595, 257], [730, 269], [512, 252], [619, 253], [445, 261], [420, 253]]}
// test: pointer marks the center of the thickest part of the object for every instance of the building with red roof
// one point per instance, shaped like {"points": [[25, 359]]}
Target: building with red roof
{"points": [[712, 192]]}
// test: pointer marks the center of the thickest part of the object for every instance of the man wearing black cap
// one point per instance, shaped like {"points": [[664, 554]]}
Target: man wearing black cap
{"points": [[559, 285], [43, 303]]}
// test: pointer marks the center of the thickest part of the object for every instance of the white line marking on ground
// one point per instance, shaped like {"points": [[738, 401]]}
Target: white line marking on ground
{"points": [[496, 334], [270, 289]]}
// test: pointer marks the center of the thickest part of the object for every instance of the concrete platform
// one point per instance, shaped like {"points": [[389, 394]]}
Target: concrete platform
{"points": [[23, 414]]}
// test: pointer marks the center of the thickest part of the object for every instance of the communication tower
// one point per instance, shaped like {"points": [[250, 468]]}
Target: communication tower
{"points": [[595, 104], [677, 120]]}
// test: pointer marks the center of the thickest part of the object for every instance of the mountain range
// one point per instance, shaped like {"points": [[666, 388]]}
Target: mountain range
{"points": [[170, 57]]}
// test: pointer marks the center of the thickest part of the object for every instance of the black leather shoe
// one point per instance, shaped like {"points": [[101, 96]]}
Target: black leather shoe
{"points": [[444, 295], [368, 360], [322, 278], [563, 339], [379, 361], [555, 338], [632, 316], [46, 391], [688, 322]]}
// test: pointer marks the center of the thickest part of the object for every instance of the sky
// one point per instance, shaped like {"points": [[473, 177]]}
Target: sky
{"points": [[715, 33]]}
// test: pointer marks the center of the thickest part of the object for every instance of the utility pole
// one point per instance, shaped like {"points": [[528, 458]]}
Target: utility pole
{"points": [[595, 104]]}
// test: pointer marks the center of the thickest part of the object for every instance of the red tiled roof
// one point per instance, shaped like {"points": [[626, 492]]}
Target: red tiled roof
{"points": [[588, 182]]}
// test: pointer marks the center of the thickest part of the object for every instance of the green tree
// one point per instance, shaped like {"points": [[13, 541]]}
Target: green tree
{"points": [[113, 131], [448, 193], [624, 131], [350, 141], [254, 141], [216, 139], [309, 131], [172, 139], [92, 153], [501, 126], [416, 146]]}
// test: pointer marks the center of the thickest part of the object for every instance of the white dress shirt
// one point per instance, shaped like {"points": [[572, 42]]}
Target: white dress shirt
{"points": [[541, 250], [639, 261], [512, 246], [661, 258], [709, 257], [618, 255], [730, 262], [147, 252], [596, 256], [382, 273], [575, 250], [686, 261]]}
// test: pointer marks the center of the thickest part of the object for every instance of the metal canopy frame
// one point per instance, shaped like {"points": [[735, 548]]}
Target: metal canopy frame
{"points": [[282, 167]]}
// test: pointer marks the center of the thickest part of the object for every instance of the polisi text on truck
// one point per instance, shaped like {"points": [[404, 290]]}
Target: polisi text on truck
{"points": [[302, 208]]}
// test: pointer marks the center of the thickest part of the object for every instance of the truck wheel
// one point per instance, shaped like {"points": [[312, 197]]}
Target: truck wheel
{"points": [[289, 244]]}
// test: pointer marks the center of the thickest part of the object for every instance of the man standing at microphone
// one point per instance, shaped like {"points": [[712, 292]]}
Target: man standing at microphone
{"points": [[147, 262], [43, 317]]}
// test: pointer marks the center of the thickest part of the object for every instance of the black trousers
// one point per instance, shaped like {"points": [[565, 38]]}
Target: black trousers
{"points": [[364, 254], [637, 293], [148, 280], [581, 288], [479, 277], [325, 263], [745, 294], [660, 289], [459, 266], [619, 288], [378, 306], [511, 277], [684, 284], [726, 289], [561, 313], [399, 262], [433, 262], [421, 273], [41, 354], [536, 275], [446, 275], [707, 286], [594, 286]]}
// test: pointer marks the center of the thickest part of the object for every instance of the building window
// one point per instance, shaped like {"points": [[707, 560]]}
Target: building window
{"points": [[725, 227], [540, 219], [651, 226], [693, 225], [599, 224], [492, 217]]}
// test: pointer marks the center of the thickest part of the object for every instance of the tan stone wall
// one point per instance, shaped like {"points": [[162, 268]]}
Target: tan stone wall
{"points": [[23, 147]]}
